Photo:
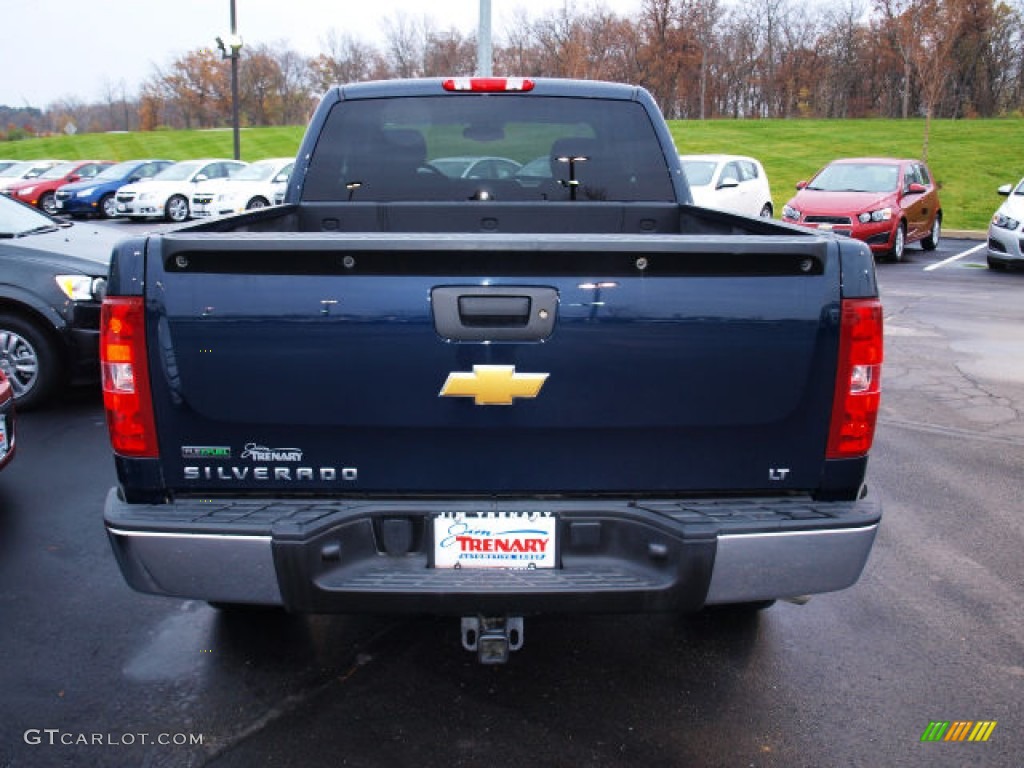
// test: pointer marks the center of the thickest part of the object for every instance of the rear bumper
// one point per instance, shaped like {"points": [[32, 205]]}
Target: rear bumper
{"points": [[375, 556]]}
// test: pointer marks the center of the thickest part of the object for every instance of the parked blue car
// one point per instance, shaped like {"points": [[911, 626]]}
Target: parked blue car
{"points": [[95, 197]]}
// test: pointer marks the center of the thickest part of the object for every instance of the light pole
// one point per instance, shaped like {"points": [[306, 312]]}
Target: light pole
{"points": [[230, 50], [484, 53]]}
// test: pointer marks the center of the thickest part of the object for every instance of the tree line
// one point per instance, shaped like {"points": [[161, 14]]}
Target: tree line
{"points": [[699, 58]]}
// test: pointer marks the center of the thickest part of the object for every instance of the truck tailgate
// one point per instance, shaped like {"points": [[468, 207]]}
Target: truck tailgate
{"points": [[666, 364]]}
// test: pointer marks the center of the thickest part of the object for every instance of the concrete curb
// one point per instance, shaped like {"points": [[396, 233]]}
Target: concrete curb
{"points": [[965, 234]]}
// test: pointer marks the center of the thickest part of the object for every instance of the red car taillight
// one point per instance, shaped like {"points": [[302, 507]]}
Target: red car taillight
{"points": [[858, 380], [125, 375]]}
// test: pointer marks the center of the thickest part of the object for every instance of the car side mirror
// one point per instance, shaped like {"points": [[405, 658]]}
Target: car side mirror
{"points": [[727, 183], [74, 177], [1005, 190], [801, 185], [280, 178], [916, 189], [200, 177]]}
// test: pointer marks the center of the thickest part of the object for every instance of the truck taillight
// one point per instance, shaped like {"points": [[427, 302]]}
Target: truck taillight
{"points": [[488, 84], [858, 380], [125, 376]]}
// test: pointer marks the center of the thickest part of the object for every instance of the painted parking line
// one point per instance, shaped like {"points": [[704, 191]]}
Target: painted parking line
{"points": [[957, 257]]}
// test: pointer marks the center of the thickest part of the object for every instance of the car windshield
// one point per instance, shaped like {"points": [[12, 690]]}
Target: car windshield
{"points": [[254, 172], [698, 172], [59, 171], [178, 172], [115, 172], [857, 177], [1020, 188], [385, 149], [17, 219]]}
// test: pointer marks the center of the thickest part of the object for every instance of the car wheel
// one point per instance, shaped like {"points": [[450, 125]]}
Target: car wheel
{"points": [[766, 211], [107, 206], [29, 359], [257, 202], [176, 209], [48, 203], [931, 242], [899, 243]]}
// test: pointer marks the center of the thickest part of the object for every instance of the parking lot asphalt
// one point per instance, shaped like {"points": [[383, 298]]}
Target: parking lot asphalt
{"points": [[94, 674]]}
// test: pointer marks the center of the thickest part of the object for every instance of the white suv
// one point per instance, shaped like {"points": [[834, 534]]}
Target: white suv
{"points": [[168, 193], [252, 187]]}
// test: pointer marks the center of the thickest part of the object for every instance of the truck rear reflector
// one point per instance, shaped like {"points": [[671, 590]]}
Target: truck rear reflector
{"points": [[858, 380], [487, 84], [125, 377]]}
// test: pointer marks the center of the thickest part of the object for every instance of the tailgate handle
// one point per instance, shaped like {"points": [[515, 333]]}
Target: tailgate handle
{"points": [[494, 312]]}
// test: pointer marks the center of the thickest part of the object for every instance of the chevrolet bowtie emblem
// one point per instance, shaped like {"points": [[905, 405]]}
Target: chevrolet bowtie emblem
{"points": [[493, 384]]}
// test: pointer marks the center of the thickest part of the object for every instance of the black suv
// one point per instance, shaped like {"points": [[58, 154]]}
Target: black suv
{"points": [[52, 276]]}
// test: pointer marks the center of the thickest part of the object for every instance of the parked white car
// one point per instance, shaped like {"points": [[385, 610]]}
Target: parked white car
{"points": [[24, 170], [167, 194], [1006, 230], [730, 183], [252, 187]]}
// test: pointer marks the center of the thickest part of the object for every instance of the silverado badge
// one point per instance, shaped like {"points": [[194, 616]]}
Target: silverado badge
{"points": [[493, 384]]}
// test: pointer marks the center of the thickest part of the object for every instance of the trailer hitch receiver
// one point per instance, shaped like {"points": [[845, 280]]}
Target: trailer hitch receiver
{"points": [[492, 638]]}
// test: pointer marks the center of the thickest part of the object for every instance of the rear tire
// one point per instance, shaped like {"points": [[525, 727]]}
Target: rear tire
{"points": [[29, 359], [931, 242]]}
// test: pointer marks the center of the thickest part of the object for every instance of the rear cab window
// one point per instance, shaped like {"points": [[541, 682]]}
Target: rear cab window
{"points": [[508, 147]]}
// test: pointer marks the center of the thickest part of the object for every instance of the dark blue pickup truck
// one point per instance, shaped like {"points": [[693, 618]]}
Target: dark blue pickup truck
{"points": [[546, 384]]}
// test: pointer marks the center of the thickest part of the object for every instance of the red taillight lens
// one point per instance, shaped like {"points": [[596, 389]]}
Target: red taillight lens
{"points": [[125, 374], [858, 380], [488, 84]]}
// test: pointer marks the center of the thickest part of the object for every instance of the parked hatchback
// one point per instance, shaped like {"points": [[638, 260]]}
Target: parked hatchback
{"points": [[730, 183], [886, 202], [1006, 230], [167, 194], [95, 196]]}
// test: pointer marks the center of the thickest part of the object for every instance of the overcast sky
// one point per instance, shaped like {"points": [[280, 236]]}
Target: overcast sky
{"points": [[57, 49]]}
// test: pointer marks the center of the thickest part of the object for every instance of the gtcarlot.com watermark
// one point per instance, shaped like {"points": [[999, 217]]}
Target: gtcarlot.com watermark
{"points": [[55, 737]]}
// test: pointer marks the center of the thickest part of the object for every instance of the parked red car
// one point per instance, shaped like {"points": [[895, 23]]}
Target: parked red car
{"points": [[6, 421], [41, 190], [886, 202]]}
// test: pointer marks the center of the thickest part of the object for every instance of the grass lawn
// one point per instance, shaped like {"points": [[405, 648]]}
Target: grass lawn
{"points": [[969, 158]]}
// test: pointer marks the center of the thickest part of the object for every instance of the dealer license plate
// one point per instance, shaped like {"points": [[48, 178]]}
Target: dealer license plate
{"points": [[495, 540]]}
